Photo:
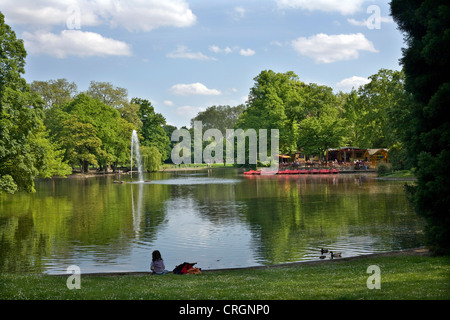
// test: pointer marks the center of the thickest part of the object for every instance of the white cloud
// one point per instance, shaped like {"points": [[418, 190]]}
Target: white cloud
{"points": [[74, 42], [359, 23], [247, 52], [48, 13], [276, 43], [133, 15], [193, 89], [325, 48], [345, 7], [184, 53], [217, 49], [239, 13], [168, 103], [75, 15], [138, 15], [363, 23], [352, 82], [188, 112]]}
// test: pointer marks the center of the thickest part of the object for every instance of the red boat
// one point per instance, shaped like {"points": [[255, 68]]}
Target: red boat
{"points": [[253, 172], [324, 171]]}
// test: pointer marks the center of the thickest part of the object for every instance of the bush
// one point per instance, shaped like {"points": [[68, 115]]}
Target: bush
{"points": [[383, 169], [151, 158]]}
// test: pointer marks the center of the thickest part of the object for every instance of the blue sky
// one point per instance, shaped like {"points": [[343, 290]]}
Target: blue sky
{"points": [[185, 56]]}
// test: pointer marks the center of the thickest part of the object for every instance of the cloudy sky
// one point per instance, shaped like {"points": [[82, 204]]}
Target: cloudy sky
{"points": [[185, 56]]}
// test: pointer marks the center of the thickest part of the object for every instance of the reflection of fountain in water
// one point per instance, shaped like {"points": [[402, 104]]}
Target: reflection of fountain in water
{"points": [[136, 151], [138, 209]]}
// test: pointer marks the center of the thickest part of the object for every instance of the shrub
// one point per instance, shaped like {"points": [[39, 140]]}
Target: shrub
{"points": [[383, 169]]}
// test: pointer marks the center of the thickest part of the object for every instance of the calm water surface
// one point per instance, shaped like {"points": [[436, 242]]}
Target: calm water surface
{"points": [[217, 218]]}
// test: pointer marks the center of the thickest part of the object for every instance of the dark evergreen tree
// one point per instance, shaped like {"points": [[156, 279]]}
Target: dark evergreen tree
{"points": [[426, 63]]}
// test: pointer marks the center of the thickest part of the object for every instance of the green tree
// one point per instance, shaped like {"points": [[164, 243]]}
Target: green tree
{"points": [[107, 93], [130, 112], [219, 117], [317, 134], [426, 63], [169, 129], [152, 129], [54, 92], [151, 158], [321, 125], [351, 115], [113, 131], [378, 99], [25, 151], [82, 146], [267, 103], [49, 156]]}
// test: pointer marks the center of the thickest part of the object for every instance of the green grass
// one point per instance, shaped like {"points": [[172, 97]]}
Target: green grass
{"points": [[402, 277], [398, 174]]}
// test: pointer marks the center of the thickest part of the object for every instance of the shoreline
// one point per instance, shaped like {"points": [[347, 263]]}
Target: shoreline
{"points": [[396, 178], [97, 174], [421, 251]]}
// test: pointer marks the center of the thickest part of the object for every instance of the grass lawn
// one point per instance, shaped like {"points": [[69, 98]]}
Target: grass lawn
{"points": [[409, 174], [403, 277]]}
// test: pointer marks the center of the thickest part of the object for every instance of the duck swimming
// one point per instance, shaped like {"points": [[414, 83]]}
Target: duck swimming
{"points": [[335, 254]]}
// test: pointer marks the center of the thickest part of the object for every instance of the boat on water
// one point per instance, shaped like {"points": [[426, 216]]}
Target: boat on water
{"points": [[303, 171]]}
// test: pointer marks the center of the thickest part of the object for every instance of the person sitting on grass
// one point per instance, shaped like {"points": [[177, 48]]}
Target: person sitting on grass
{"points": [[157, 266]]}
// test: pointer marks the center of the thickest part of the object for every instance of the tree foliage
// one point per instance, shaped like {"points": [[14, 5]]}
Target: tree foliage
{"points": [[107, 93], [25, 151], [54, 92], [219, 117], [426, 63], [151, 158], [152, 129]]}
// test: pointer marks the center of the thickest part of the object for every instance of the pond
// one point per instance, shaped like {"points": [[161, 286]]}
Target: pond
{"points": [[218, 218]]}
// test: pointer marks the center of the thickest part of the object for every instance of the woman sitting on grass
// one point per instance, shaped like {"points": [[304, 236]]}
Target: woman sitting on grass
{"points": [[157, 265]]}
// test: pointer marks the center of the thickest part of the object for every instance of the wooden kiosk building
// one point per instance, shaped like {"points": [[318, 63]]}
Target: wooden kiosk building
{"points": [[351, 154]]}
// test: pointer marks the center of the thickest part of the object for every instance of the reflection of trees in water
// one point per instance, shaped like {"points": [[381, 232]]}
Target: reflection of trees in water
{"points": [[66, 217], [285, 215], [298, 214]]}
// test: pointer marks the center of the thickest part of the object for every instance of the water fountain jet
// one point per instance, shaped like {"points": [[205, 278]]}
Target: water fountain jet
{"points": [[136, 151]]}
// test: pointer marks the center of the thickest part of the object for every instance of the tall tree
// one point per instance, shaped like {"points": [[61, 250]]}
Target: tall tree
{"points": [[379, 100], [113, 131], [152, 129], [82, 146], [107, 93], [317, 134], [321, 125], [25, 151], [267, 104], [351, 114], [219, 117], [426, 63], [54, 92]]}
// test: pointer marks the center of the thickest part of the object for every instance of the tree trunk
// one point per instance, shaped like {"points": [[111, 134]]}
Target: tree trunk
{"points": [[85, 167]]}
